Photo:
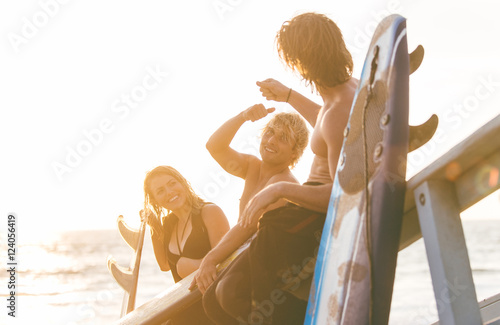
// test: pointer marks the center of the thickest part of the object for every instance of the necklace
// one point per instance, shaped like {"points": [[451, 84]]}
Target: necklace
{"points": [[183, 232]]}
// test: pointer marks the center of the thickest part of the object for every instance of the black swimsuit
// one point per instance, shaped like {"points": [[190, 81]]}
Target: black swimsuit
{"points": [[197, 244]]}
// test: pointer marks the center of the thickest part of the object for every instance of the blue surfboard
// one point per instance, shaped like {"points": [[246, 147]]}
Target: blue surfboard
{"points": [[354, 273]]}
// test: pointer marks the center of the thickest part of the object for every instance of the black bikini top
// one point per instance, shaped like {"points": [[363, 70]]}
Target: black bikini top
{"points": [[197, 245]]}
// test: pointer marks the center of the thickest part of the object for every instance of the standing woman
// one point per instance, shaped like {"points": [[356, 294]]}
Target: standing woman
{"points": [[184, 227]]}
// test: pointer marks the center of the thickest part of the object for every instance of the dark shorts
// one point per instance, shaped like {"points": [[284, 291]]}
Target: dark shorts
{"points": [[252, 285], [288, 238]]}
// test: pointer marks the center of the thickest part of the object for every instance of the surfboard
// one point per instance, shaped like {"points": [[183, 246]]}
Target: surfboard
{"points": [[174, 300], [354, 273], [127, 277]]}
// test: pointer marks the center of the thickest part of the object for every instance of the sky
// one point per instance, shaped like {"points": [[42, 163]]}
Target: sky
{"points": [[94, 94]]}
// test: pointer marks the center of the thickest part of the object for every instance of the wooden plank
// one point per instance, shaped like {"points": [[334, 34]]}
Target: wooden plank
{"points": [[490, 310], [174, 299], [447, 253], [476, 162], [495, 322], [469, 152], [479, 181], [155, 311]]}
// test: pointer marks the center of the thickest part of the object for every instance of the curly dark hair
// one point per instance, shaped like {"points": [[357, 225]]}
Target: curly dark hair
{"points": [[312, 44]]}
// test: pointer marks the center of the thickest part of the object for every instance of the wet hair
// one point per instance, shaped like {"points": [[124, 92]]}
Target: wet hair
{"points": [[295, 130], [149, 202], [312, 44]]}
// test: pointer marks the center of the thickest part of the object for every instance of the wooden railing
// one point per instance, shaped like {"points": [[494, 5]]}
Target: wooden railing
{"points": [[467, 173]]}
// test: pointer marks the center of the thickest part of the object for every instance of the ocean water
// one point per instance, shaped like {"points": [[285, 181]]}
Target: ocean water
{"points": [[63, 278]]}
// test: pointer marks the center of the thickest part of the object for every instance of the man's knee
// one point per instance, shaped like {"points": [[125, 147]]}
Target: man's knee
{"points": [[210, 304], [233, 294], [225, 295]]}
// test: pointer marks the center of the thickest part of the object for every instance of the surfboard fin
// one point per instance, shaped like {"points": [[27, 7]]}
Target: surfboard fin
{"points": [[416, 58], [421, 134], [127, 278], [124, 277], [130, 235]]}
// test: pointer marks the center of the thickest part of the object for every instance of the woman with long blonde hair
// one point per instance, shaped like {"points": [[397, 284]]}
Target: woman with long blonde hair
{"points": [[183, 226]]}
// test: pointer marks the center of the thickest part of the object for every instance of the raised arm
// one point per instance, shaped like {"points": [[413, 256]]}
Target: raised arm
{"points": [[274, 90], [159, 250], [157, 237], [234, 162]]}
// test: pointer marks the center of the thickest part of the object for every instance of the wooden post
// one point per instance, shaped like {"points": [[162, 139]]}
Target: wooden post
{"points": [[444, 240]]}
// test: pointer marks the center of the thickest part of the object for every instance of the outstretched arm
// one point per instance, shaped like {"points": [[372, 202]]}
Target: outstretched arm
{"points": [[274, 90], [312, 197], [207, 271], [232, 161]]}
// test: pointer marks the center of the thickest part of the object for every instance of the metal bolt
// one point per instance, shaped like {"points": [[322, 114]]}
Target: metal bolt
{"points": [[342, 160], [378, 150], [346, 132], [421, 198], [385, 119]]}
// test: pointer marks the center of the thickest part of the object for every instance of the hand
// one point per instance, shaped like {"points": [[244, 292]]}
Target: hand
{"points": [[256, 112], [258, 204], [151, 220], [205, 276], [146, 215], [273, 90]]}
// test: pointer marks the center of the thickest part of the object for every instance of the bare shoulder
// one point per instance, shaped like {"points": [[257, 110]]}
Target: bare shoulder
{"points": [[254, 161], [254, 164], [335, 119], [337, 112], [285, 176], [212, 211], [215, 222]]}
